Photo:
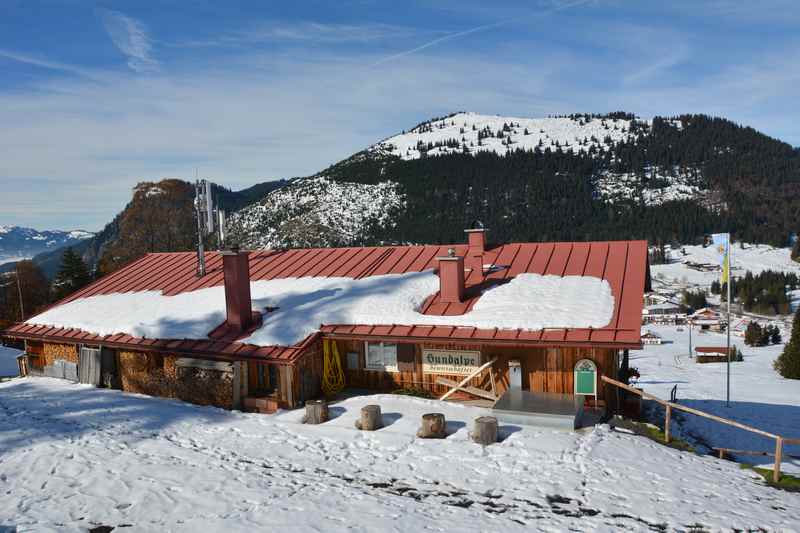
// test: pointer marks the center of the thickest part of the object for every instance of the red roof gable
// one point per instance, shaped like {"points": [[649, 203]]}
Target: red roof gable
{"points": [[623, 264]]}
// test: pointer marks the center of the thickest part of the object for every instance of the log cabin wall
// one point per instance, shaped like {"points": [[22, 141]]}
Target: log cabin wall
{"points": [[543, 369]]}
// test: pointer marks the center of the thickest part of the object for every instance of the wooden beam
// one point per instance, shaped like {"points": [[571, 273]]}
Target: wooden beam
{"points": [[776, 472], [469, 377], [466, 388], [689, 409], [760, 453], [667, 416]]}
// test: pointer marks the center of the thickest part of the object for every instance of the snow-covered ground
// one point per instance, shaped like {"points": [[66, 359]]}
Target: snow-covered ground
{"points": [[529, 301], [753, 257], [760, 397], [8, 361], [74, 457]]}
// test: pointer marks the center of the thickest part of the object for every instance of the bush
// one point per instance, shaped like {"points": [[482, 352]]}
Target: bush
{"points": [[413, 391], [629, 373]]}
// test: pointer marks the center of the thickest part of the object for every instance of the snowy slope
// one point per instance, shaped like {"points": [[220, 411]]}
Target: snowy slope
{"points": [[698, 265], [17, 243], [74, 457], [479, 133], [760, 397], [317, 212]]}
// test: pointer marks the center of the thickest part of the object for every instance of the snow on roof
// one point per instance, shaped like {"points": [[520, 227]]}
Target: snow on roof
{"points": [[663, 306], [529, 301], [649, 333], [621, 265]]}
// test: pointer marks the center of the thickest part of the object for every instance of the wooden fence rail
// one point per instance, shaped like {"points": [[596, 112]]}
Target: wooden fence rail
{"points": [[780, 441]]}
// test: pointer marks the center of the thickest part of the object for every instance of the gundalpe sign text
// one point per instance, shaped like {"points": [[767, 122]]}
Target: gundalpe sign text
{"points": [[450, 362]]}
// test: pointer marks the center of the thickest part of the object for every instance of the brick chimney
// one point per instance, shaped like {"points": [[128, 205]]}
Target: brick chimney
{"points": [[238, 306], [451, 278], [476, 238]]}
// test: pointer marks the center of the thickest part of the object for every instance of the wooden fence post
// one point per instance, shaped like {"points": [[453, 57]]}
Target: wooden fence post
{"points": [[666, 423], [776, 473]]}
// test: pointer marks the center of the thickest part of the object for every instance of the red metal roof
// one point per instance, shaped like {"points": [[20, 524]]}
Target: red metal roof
{"points": [[623, 264], [712, 349]]}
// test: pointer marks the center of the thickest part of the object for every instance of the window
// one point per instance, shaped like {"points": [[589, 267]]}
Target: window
{"points": [[381, 356], [264, 379]]}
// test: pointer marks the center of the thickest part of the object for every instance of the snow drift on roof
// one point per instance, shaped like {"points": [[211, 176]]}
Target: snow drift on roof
{"points": [[529, 301]]}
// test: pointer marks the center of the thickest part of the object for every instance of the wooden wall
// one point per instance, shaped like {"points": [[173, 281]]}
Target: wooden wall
{"points": [[543, 369]]}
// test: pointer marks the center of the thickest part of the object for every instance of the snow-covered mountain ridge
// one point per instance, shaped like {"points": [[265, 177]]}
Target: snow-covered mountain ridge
{"points": [[17, 242], [473, 132]]}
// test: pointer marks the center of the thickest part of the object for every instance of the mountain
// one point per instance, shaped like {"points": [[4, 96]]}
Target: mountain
{"points": [[159, 217], [581, 176], [18, 243]]}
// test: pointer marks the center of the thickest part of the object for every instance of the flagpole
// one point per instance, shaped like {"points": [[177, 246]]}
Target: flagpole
{"points": [[728, 327]]}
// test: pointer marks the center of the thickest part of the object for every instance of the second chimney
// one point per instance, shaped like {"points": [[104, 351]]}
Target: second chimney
{"points": [[451, 278], [238, 305], [476, 239]]}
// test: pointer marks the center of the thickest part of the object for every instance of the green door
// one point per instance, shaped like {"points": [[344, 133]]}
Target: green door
{"points": [[586, 378]]}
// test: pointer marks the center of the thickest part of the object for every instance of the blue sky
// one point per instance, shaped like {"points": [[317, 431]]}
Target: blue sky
{"points": [[96, 97]]}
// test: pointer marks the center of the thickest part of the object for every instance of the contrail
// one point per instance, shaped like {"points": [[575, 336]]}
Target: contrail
{"points": [[471, 30]]}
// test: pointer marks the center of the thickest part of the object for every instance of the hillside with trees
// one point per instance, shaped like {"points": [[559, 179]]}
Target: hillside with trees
{"points": [[669, 180]]}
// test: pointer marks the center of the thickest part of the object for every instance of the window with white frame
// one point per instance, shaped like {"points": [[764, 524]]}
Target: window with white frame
{"points": [[381, 356]]}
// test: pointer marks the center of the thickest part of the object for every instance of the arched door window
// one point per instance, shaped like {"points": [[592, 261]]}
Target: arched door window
{"points": [[586, 378]]}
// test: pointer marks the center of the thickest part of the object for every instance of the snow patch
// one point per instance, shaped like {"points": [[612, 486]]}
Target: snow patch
{"points": [[653, 186], [317, 212]]}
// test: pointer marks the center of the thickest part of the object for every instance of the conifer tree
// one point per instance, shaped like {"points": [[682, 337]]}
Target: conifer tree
{"points": [[73, 275], [753, 334], [788, 363]]}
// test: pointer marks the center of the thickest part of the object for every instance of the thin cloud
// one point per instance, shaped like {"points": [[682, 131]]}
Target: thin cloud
{"points": [[47, 64], [560, 6], [303, 32], [130, 36]]}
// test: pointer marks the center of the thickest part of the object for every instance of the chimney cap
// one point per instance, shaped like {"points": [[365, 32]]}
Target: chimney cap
{"points": [[233, 249]]}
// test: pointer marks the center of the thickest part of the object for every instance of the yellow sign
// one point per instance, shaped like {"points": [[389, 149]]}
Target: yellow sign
{"points": [[450, 362]]}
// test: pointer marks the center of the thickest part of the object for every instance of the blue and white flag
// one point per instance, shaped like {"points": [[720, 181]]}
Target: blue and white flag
{"points": [[722, 242]]}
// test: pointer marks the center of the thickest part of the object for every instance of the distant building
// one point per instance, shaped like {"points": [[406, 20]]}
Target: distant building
{"points": [[708, 320], [663, 313], [650, 338], [715, 354]]}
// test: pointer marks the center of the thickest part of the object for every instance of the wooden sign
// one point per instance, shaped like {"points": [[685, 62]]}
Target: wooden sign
{"points": [[457, 362]]}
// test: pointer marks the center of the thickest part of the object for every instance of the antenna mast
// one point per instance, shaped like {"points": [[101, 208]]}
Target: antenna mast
{"points": [[199, 193]]}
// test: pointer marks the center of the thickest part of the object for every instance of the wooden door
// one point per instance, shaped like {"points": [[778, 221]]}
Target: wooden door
{"points": [[554, 368], [89, 365]]}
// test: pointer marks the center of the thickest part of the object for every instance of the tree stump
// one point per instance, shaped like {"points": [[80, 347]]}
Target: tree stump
{"points": [[316, 412], [371, 418], [433, 426], [485, 430]]}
